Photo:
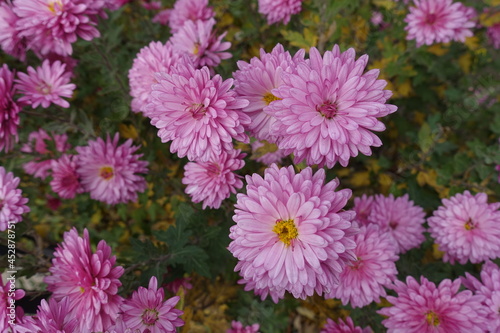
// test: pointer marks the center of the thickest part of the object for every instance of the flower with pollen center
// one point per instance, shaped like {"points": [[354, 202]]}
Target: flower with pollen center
{"points": [[432, 318], [106, 172], [268, 98], [286, 230]]}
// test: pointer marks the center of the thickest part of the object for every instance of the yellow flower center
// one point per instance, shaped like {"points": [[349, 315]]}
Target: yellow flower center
{"points": [[286, 230], [106, 172], [469, 225], [268, 98], [432, 318], [53, 5], [82, 290], [196, 49]]}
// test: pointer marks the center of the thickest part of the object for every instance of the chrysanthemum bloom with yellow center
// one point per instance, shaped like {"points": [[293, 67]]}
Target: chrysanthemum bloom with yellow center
{"points": [[291, 233], [425, 308]]}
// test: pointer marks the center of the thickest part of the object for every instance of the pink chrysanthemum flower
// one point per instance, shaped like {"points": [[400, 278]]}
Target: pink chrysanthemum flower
{"points": [[401, 219], [65, 181], [267, 153], [363, 208], [46, 85], [198, 40], [156, 57], [56, 316], [215, 180], [162, 17], [89, 280], [343, 327], [425, 308], [110, 172], [255, 80], [12, 203], [53, 25], [8, 296], [38, 145], [327, 110], [467, 228], [175, 285], [435, 21], [9, 110], [279, 10], [377, 18], [147, 311], [363, 280], [489, 287], [291, 233], [189, 10], [493, 34], [10, 42], [237, 327], [199, 114]]}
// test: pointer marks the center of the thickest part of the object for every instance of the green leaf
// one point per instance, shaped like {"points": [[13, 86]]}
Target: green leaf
{"points": [[425, 137]]}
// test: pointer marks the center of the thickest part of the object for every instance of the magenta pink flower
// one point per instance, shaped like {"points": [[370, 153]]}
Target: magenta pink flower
{"points": [[147, 311], [110, 172], [46, 85], [254, 82], [175, 285], [156, 57], [279, 10], [435, 21], [189, 10], [215, 180], [12, 203], [493, 34], [425, 308], [9, 110], [53, 25], [89, 280], [401, 219], [267, 153], [10, 42], [199, 114], [237, 327], [56, 316], [488, 287], [198, 40], [467, 228], [327, 110], [38, 146], [291, 233], [343, 327], [8, 295], [363, 280], [363, 208], [162, 17], [65, 181]]}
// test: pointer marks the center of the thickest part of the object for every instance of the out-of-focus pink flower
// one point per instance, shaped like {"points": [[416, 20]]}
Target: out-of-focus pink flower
{"points": [[89, 280], [199, 114], [493, 33], [175, 285], [467, 228], [215, 180], [162, 17], [291, 233], [199, 41], [363, 208], [424, 308], [189, 10], [279, 10], [12, 203], [10, 42], [65, 180], [116, 4], [111, 172], [343, 327], [267, 153], [377, 18], [237, 327], [147, 311], [45, 85], [9, 110], [151, 4]]}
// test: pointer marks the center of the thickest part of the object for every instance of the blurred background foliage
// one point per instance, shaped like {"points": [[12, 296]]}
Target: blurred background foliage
{"points": [[442, 140]]}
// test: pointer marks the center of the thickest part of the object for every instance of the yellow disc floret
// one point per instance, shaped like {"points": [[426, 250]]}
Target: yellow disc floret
{"points": [[268, 98], [286, 230], [432, 318]]}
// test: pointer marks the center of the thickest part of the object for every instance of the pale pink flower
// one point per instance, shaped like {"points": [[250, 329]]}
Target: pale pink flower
{"points": [[12, 203], [10, 42], [116, 4], [54, 316], [267, 153], [493, 33], [401, 218], [53, 25], [156, 57], [377, 18], [175, 285], [237, 327], [435, 21], [9, 110], [466, 228], [38, 146], [189, 10], [363, 208], [327, 110], [111, 172], [89, 280], [254, 82], [162, 17], [343, 327], [45, 85], [199, 114], [363, 280], [279, 10], [489, 287], [65, 181], [425, 308], [291, 233], [147, 311], [215, 180], [8, 295], [199, 41], [151, 4]]}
